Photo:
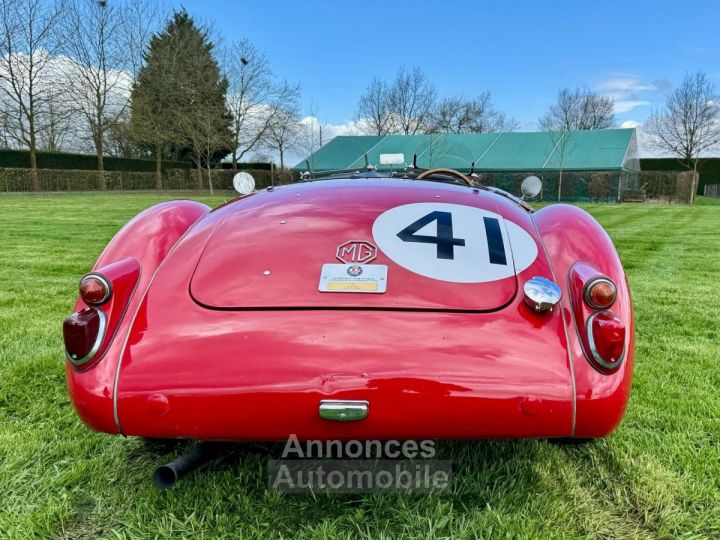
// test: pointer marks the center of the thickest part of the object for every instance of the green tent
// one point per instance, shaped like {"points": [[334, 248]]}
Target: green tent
{"points": [[598, 150]]}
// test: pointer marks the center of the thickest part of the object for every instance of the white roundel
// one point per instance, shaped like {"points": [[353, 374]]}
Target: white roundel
{"points": [[453, 242]]}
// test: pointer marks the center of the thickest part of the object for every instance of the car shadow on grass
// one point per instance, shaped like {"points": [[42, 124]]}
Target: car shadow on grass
{"points": [[512, 477], [482, 469]]}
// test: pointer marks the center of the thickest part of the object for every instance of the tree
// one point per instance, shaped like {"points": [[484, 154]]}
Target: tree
{"points": [[689, 124], [157, 98], [405, 106], [284, 133], [201, 118], [561, 143], [461, 115], [254, 97], [412, 98], [120, 141], [310, 136], [103, 43], [26, 48], [374, 108], [57, 121], [579, 109], [178, 100]]}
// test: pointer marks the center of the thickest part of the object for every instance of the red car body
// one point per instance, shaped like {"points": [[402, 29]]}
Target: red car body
{"points": [[217, 330]]}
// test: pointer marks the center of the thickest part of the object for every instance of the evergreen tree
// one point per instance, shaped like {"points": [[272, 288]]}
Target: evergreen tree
{"points": [[178, 102]]}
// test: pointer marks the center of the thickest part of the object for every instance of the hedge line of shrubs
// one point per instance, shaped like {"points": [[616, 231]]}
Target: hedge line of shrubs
{"points": [[709, 169], [20, 159], [20, 180]]}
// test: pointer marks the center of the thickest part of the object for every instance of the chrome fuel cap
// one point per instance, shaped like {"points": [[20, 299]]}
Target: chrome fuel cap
{"points": [[541, 294]]}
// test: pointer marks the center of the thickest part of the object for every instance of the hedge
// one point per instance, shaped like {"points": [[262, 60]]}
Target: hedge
{"points": [[709, 169], [20, 159], [249, 165], [20, 180]]}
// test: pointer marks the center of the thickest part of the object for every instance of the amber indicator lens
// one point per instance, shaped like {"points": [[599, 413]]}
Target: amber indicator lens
{"points": [[600, 294], [94, 290]]}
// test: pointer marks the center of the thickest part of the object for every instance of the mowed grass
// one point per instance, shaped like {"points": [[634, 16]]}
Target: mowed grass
{"points": [[657, 476]]}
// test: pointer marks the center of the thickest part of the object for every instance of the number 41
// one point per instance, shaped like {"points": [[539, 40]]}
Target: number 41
{"points": [[446, 242]]}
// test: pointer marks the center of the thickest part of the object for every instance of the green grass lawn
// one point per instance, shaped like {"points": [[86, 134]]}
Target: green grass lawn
{"points": [[657, 476]]}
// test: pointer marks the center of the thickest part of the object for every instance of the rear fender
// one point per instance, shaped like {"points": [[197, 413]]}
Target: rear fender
{"points": [[146, 240], [571, 235]]}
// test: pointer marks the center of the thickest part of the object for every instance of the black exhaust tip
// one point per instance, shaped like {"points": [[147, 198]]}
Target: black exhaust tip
{"points": [[164, 477], [169, 474]]}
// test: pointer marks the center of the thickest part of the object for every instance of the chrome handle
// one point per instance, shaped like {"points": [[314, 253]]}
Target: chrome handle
{"points": [[343, 410]]}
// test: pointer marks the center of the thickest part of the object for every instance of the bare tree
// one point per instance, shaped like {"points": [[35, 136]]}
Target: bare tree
{"points": [[285, 133], [26, 50], [412, 98], [57, 122], [310, 137], [103, 43], [140, 20], [477, 115], [689, 124], [254, 97], [562, 142], [208, 136], [579, 109], [373, 110], [404, 106]]}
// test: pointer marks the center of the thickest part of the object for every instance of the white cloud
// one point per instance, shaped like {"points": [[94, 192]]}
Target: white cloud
{"points": [[625, 85], [625, 105], [627, 91], [630, 124], [330, 131]]}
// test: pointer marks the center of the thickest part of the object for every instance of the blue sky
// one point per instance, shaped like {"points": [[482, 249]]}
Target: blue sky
{"points": [[523, 52]]}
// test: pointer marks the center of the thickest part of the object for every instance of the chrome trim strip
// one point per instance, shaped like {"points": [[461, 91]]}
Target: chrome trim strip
{"points": [[586, 292], [571, 363], [343, 410], [96, 345], [106, 282], [593, 349]]}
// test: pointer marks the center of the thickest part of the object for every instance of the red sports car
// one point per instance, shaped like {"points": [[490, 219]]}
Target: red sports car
{"points": [[358, 306]]}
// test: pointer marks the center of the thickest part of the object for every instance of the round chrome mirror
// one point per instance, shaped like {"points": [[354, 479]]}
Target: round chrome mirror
{"points": [[244, 183], [531, 187]]}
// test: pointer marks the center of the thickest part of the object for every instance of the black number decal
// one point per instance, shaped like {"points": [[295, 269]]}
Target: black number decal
{"points": [[496, 246], [444, 240]]}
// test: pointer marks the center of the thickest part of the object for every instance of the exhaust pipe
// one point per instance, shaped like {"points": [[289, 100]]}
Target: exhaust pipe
{"points": [[167, 475]]}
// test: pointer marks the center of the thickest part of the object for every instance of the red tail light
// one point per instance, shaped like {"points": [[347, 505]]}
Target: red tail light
{"points": [[602, 333], [104, 298], [83, 332], [606, 337]]}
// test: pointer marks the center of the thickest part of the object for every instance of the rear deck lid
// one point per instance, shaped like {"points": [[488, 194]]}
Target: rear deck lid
{"points": [[370, 244]]}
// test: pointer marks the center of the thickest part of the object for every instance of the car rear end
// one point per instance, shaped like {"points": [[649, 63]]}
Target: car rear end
{"points": [[353, 309]]}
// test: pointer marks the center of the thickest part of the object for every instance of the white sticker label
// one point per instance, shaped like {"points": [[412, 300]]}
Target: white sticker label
{"points": [[353, 278], [453, 242]]}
